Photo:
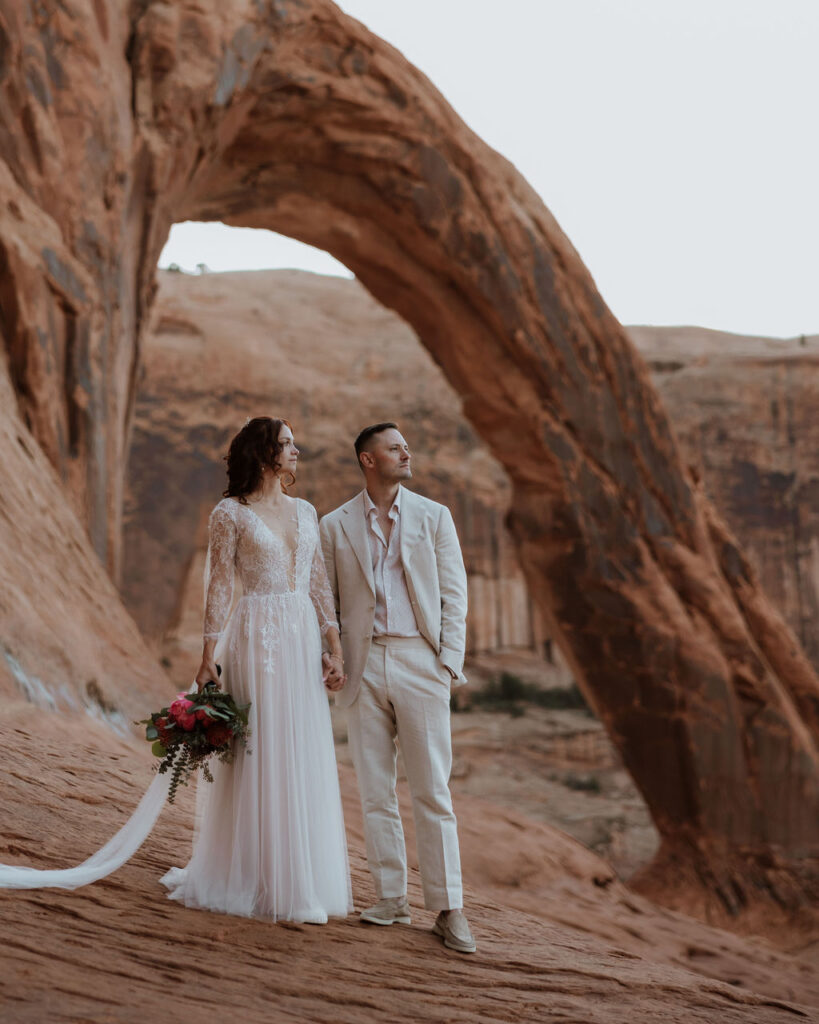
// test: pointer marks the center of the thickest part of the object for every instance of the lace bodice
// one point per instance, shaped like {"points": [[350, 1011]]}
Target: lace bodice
{"points": [[241, 542]]}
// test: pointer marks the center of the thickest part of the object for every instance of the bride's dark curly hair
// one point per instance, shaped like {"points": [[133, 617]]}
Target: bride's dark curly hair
{"points": [[255, 447]]}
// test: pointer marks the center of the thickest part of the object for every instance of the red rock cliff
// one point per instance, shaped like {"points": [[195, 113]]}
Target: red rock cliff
{"points": [[116, 121], [744, 410]]}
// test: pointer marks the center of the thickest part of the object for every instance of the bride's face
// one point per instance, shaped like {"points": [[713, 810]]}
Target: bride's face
{"points": [[289, 454]]}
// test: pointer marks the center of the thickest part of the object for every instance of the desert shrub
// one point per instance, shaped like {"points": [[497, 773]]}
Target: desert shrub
{"points": [[582, 783], [561, 697], [510, 693]]}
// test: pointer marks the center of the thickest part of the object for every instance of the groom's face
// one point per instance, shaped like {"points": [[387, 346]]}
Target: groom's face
{"points": [[389, 456]]}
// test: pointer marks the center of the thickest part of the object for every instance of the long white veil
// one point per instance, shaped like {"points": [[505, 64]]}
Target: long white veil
{"points": [[107, 859], [117, 850]]}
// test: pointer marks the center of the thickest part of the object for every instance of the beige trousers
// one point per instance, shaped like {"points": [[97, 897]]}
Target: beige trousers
{"points": [[404, 696]]}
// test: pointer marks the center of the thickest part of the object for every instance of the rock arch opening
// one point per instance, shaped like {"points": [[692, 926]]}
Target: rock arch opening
{"points": [[210, 246], [321, 351]]}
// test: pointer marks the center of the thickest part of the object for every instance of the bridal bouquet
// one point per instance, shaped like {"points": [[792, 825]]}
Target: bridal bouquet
{"points": [[195, 727]]}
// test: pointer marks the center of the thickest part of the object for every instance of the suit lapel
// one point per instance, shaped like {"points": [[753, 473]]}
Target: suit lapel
{"points": [[354, 525], [411, 521]]}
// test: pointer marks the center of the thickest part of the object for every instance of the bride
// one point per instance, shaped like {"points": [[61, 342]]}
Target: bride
{"points": [[270, 838]]}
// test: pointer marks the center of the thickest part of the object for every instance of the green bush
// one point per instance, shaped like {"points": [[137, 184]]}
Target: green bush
{"points": [[582, 783], [565, 697], [509, 692], [512, 687]]}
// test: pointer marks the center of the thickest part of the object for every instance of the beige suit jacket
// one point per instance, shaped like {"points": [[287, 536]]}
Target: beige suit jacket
{"points": [[434, 571]]}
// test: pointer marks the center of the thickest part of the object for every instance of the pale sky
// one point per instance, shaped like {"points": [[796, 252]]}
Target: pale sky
{"points": [[675, 141]]}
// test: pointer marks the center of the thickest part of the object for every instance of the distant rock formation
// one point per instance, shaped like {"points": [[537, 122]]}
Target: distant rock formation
{"points": [[227, 346], [745, 412]]}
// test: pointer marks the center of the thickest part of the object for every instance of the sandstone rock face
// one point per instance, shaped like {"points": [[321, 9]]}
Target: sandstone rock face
{"points": [[323, 353], [73, 237], [66, 642], [294, 117], [745, 412]]}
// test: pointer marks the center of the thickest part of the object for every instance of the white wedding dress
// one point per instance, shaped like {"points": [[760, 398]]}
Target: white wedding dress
{"points": [[269, 838]]}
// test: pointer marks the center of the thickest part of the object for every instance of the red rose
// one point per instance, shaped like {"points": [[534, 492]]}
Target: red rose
{"points": [[165, 729], [202, 714], [219, 735]]}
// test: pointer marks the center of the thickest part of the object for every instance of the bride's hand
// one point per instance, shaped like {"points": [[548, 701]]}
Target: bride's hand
{"points": [[208, 673]]}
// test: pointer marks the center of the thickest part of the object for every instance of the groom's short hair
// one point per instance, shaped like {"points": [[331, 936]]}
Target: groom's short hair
{"points": [[363, 439]]}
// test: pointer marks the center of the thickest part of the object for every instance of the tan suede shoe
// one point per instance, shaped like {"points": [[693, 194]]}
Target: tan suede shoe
{"points": [[453, 928], [394, 910]]}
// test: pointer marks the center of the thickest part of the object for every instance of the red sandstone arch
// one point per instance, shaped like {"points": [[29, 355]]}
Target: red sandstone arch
{"points": [[289, 115]]}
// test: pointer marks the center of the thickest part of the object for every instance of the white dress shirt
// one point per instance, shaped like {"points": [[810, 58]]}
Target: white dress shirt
{"points": [[393, 607]]}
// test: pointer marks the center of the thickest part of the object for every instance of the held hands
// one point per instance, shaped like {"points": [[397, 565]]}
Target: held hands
{"points": [[333, 675]]}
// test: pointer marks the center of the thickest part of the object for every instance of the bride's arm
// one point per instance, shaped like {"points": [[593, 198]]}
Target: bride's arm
{"points": [[325, 605], [219, 588]]}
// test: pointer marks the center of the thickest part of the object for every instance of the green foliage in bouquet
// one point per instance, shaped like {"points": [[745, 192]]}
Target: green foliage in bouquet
{"points": [[194, 728]]}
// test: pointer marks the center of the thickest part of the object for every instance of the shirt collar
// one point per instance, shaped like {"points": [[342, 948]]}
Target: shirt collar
{"points": [[369, 504]]}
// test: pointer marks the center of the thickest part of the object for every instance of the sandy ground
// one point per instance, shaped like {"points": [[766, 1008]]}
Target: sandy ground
{"points": [[559, 937]]}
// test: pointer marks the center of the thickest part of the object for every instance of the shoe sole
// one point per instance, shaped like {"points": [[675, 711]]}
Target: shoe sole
{"points": [[458, 947], [380, 920]]}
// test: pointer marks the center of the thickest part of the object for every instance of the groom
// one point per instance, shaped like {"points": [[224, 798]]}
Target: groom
{"points": [[399, 584]]}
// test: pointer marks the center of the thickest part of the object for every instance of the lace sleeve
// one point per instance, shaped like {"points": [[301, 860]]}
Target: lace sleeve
{"points": [[219, 571], [320, 592]]}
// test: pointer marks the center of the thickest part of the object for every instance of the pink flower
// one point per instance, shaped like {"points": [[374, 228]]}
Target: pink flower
{"points": [[186, 721], [180, 707]]}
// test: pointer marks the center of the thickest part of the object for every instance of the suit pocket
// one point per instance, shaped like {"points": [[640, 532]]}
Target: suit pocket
{"points": [[443, 671], [436, 667]]}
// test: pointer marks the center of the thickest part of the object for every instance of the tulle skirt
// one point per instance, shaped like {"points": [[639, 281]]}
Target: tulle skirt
{"points": [[269, 838]]}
